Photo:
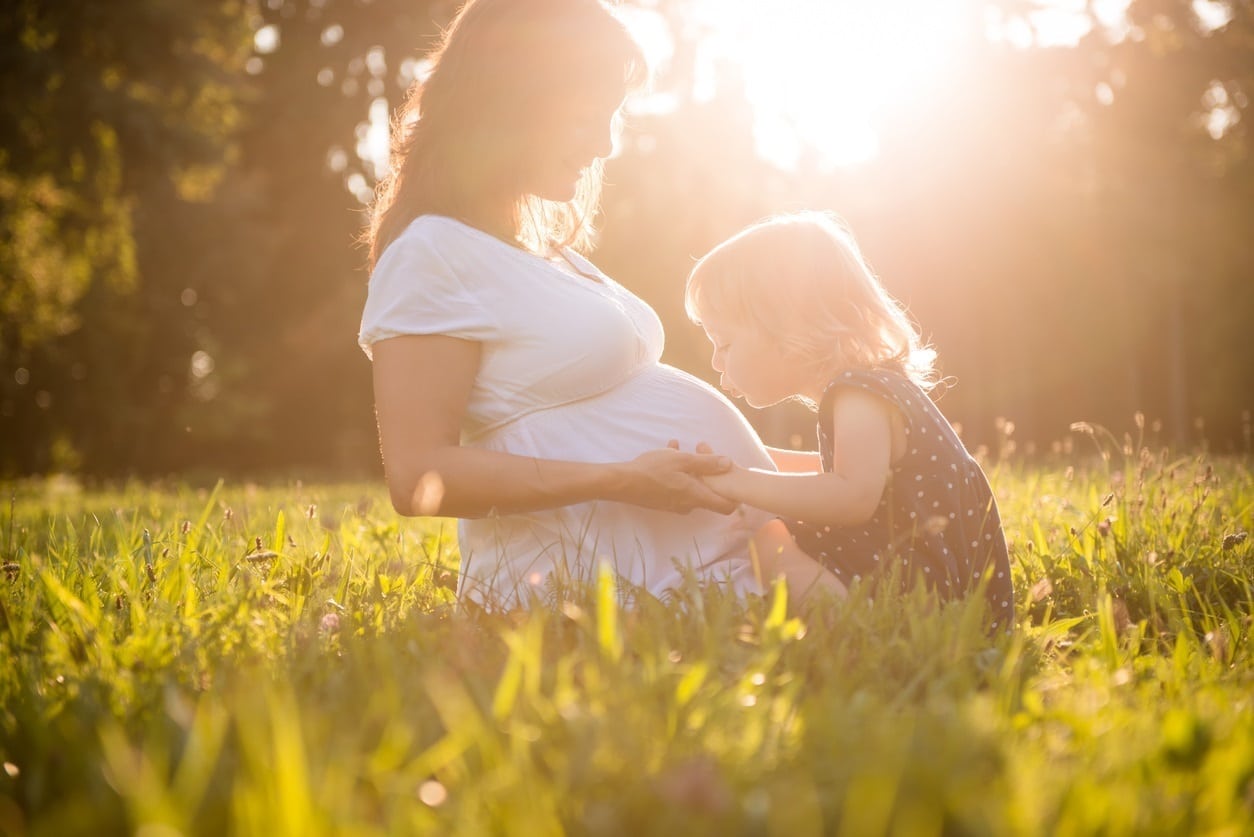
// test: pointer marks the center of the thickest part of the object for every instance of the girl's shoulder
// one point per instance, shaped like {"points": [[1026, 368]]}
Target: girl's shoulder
{"points": [[888, 383]]}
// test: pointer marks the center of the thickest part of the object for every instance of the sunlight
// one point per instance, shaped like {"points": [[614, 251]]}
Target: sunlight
{"points": [[821, 75], [824, 76], [1211, 14]]}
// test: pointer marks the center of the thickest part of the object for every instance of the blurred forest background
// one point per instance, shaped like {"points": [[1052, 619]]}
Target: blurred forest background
{"points": [[181, 184]]}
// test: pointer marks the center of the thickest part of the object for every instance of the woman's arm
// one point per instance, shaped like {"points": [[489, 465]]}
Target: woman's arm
{"points": [[796, 461], [422, 385], [862, 441]]}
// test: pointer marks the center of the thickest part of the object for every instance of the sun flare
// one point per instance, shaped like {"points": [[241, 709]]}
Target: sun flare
{"points": [[822, 75], [825, 77]]}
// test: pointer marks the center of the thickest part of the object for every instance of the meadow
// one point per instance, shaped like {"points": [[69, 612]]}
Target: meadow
{"points": [[289, 659]]}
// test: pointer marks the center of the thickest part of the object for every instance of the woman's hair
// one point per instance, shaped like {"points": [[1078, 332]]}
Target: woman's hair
{"points": [[802, 278], [465, 132]]}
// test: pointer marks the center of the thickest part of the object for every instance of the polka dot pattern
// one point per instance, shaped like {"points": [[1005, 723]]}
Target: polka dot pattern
{"points": [[937, 521]]}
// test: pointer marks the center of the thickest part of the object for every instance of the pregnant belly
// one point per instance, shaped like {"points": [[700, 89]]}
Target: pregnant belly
{"points": [[643, 413], [511, 557]]}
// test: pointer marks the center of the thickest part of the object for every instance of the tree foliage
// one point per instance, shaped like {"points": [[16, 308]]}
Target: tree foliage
{"points": [[181, 186], [94, 99]]}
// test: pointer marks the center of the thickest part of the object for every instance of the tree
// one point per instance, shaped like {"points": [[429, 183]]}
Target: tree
{"points": [[97, 103]]}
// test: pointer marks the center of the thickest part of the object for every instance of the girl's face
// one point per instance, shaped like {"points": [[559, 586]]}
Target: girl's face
{"points": [[751, 364]]}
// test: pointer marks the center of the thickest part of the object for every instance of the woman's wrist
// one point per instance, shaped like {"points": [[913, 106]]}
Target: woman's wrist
{"points": [[611, 481]]}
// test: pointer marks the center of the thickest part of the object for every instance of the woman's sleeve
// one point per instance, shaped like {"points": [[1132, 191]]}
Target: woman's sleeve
{"points": [[413, 290]]}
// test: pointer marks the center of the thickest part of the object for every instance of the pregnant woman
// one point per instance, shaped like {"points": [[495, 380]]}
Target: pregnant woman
{"points": [[518, 387]]}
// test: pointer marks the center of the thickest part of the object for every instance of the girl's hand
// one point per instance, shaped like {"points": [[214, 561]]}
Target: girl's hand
{"points": [[671, 480], [724, 484], [721, 483]]}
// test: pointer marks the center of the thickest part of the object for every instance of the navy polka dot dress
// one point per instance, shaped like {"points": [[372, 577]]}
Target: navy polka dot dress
{"points": [[937, 519]]}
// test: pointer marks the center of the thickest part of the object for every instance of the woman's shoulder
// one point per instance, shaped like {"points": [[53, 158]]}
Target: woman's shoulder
{"points": [[419, 240], [439, 243], [434, 234], [428, 281]]}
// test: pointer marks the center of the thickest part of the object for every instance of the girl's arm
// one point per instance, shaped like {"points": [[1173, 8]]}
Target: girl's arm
{"points": [[862, 428], [796, 461], [422, 385]]}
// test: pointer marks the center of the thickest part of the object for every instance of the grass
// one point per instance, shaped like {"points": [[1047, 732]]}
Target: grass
{"points": [[290, 661]]}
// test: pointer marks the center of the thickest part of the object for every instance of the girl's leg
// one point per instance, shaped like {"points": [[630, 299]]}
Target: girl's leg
{"points": [[778, 555]]}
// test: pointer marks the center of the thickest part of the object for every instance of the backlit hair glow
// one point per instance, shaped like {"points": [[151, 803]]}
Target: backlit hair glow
{"points": [[803, 279], [465, 134]]}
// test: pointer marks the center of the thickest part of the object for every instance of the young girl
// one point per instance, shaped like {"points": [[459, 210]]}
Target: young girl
{"points": [[793, 311]]}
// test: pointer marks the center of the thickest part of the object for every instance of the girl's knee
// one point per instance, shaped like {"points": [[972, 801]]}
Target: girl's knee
{"points": [[773, 541], [778, 554]]}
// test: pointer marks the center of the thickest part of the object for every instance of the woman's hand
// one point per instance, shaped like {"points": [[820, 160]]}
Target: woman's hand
{"points": [[671, 480], [723, 483]]}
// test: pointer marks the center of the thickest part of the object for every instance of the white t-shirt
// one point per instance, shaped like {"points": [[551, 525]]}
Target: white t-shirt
{"points": [[569, 370]]}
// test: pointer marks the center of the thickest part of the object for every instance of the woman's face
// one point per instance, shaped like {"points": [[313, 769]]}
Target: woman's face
{"points": [[569, 137]]}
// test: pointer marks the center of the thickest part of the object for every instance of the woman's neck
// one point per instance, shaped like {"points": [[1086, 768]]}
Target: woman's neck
{"points": [[498, 223], [504, 225]]}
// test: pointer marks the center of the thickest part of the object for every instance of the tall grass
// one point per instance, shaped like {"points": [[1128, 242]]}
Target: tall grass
{"points": [[290, 660]]}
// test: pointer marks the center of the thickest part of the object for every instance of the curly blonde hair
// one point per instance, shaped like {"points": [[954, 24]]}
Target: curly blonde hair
{"points": [[803, 279]]}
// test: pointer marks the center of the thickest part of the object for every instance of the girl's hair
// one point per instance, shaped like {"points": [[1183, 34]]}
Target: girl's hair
{"points": [[802, 278], [464, 131]]}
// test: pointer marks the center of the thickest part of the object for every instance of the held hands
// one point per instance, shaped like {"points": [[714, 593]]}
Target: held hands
{"points": [[671, 480], [723, 482]]}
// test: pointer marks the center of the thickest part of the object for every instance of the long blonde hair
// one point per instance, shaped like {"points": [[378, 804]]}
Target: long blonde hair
{"points": [[803, 279], [455, 139]]}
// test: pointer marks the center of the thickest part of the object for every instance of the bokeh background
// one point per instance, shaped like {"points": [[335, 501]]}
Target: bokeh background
{"points": [[1061, 191]]}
